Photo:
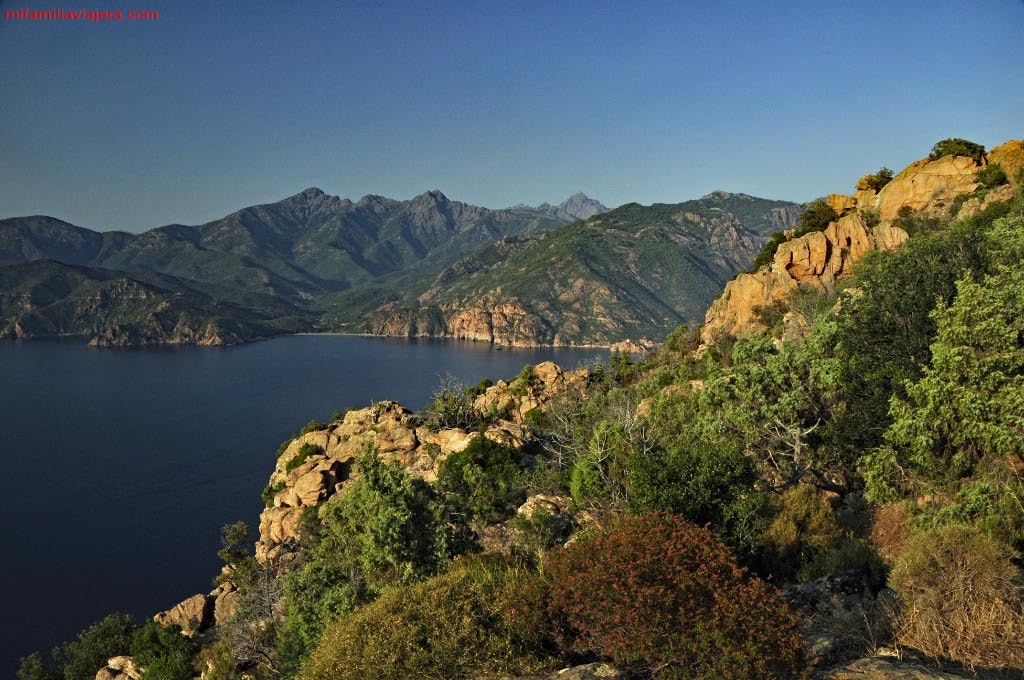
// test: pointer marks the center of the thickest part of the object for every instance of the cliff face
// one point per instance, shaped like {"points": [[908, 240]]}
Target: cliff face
{"points": [[928, 187], [817, 259]]}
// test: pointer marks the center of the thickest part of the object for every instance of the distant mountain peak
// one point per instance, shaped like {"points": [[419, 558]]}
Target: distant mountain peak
{"points": [[434, 195], [579, 206], [717, 193]]}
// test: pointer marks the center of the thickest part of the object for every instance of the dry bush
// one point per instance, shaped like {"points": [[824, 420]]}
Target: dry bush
{"points": [[961, 598], [889, 528], [667, 598], [803, 527]]}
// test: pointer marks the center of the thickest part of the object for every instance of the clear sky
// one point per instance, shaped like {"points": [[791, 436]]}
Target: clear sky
{"points": [[219, 105]]}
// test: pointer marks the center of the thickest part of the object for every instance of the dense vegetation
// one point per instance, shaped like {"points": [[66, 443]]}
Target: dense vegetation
{"points": [[633, 272], [956, 146], [887, 442]]}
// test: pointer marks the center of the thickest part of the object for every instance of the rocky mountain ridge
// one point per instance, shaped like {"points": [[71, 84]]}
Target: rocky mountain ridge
{"points": [[305, 244], [626, 276], [868, 221], [239, 271]]}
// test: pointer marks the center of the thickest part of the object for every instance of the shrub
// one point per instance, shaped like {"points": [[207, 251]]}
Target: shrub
{"points": [[992, 176], [313, 426], [164, 652], [483, 481], [956, 146], [871, 216], [804, 526], [479, 388], [847, 554], [305, 451], [682, 340], [708, 482], [667, 597], [82, 657], [452, 407], [961, 598], [876, 181], [459, 624], [271, 490], [381, 530]]}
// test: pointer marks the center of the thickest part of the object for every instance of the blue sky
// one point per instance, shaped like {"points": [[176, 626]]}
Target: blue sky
{"points": [[219, 105]]}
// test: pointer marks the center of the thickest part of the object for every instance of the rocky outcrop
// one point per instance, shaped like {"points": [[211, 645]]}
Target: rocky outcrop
{"points": [[820, 258], [534, 390], [1010, 156], [193, 615], [927, 183], [308, 480], [817, 259], [119, 668]]}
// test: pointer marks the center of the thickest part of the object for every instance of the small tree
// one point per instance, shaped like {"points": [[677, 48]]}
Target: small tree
{"points": [[957, 433], [955, 146], [875, 182]]}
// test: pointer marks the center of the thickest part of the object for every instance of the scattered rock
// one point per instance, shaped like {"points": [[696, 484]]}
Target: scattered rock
{"points": [[888, 668], [591, 671]]}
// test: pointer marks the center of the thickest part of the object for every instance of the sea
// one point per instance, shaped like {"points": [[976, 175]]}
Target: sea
{"points": [[121, 466]]}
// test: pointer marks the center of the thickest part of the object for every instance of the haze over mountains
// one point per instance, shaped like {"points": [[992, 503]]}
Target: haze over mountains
{"points": [[319, 262]]}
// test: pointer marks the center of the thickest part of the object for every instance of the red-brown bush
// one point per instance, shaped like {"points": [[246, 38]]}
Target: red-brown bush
{"points": [[663, 595]]}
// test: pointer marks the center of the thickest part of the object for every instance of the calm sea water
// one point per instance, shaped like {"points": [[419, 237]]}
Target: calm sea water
{"points": [[122, 465]]}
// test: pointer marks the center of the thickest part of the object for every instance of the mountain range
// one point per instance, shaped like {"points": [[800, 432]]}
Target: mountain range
{"points": [[574, 273]]}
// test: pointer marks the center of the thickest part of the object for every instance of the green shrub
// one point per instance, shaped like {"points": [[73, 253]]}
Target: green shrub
{"points": [[381, 530], [876, 181], [313, 426], [961, 598], [452, 407], [804, 526], [271, 490], [683, 340], [479, 388], [305, 451], [82, 657], [992, 176], [667, 597], [164, 652], [956, 146], [522, 382], [483, 482], [457, 625], [708, 482], [871, 216], [847, 554]]}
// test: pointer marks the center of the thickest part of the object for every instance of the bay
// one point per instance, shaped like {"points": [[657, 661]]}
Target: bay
{"points": [[123, 465]]}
